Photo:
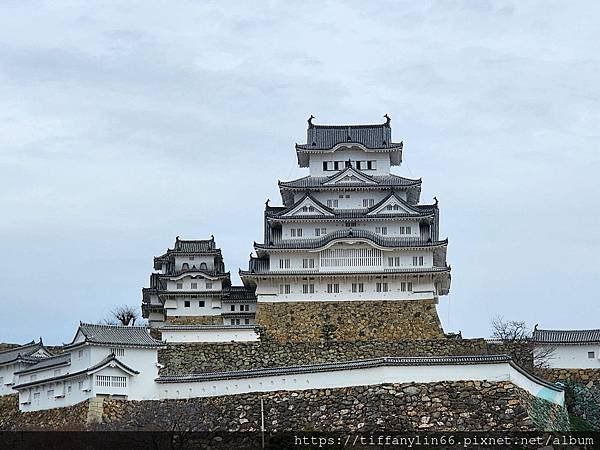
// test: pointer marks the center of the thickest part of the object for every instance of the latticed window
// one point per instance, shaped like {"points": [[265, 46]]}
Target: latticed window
{"points": [[103, 380], [111, 381], [351, 257], [118, 351]]}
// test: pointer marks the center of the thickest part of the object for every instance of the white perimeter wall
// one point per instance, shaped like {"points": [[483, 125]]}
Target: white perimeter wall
{"points": [[219, 335], [360, 377]]}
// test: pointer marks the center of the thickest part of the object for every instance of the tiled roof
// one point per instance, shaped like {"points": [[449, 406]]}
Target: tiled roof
{"points": [[46, 363], [206, 246], [341, 214], [384, 181], [238, 293], [566, 336], [351, 234], [102, 363], [21, 351], [117, 335], [323, 137]]}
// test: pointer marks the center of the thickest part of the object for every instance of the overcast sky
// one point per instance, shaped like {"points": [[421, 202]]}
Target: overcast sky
{"points": [[126, 124]]}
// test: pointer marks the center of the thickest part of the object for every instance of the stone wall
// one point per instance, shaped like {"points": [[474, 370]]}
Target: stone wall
{"points": [[194, 320], [589, 377], [348, 321], [582, 388], [71, 418], [444, 406], [214, 357]]}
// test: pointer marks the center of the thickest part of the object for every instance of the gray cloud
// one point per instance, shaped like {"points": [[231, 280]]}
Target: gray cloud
{"points": [[126, 125]]}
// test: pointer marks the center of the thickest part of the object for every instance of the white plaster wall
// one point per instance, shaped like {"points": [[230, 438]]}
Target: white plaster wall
{"points": [[187, 280], [393, 228], [176, 306], [575, 357], [8, 377], [423, 288], [73, 397], [315, 164], [360, 377], [218, 335], [144, 360], [296, 259]]}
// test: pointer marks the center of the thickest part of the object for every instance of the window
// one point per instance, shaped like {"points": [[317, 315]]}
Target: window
{"points": [[591, 355], [233, 307], [111, 381], [285, 289], [191, 258], [50, 393], [381, 230], [209, 285], [179, 285], [320, 231], [186, 303], [185, 266], [381, 287], [333, 288], [284, 263], [328, 165], [201, 304], [245, 307], [372, 165], [80, 354], [36, 395], [296, 232], [69, 388], [203, 266], [80, 385], [406, 286], [417, 260], [358, 287], [308, 288], [338, 165], [341, 196], [235, 321], [332, 203], [368, 202], [194, 285], [361, 165], [350, 224], [308, 263], [118, 351], [394, 261]]}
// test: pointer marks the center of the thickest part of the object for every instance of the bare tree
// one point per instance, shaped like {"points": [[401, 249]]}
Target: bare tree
{"points": [[125, 315], [509, 330], [513, 331]]}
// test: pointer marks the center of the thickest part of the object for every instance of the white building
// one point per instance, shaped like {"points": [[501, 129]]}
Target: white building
{"points": [[190, 291], [102, 360], [351, 229], [17, 359], [569, 349]]}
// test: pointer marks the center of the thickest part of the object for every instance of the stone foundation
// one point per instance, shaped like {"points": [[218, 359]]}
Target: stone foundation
{"points": [[350, 321], [589, 377], [194, 320], [71, 418], [444, 406], [216, 357]]}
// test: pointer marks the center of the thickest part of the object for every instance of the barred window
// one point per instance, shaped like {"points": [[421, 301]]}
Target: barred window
{"points": [[118, 351], [351, 257]]}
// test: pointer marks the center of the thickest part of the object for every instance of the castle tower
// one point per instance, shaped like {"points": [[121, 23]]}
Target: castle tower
{"points": [[191, 289], [351, 254]]}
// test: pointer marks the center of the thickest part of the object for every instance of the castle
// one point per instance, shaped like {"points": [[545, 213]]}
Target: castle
{"points": [[341, 293]]}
